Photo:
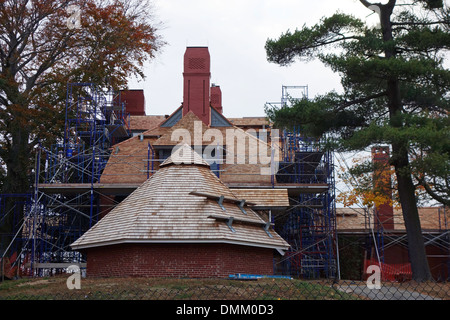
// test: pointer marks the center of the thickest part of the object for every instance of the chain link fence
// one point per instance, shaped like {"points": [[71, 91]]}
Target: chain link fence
{"points": [[65, 288]]}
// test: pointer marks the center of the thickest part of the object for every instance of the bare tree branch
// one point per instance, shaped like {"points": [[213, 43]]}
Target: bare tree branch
{"points": [[431, 192]]}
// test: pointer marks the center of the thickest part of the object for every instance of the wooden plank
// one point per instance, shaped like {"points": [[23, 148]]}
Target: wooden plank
{"points": [[238, 219], [56, 265], [216, 197], [105, 188]]}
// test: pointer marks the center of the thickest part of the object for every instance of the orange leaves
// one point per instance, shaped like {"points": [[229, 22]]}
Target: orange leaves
{"points": [[348, 199], [368, 184], [112, 43], [365, 197], [40, 54]]}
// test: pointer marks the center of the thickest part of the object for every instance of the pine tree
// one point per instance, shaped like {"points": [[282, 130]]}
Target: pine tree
{"points": [[395, 91]]}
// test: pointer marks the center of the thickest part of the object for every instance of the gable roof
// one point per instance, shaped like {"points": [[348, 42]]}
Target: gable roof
{"points": [[173, 118], [189, 122], [218, 119], [184, 203]]}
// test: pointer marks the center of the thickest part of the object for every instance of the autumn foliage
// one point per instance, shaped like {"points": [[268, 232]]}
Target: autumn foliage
{"points": [[44, 45], [40, 53], [369, 184]]}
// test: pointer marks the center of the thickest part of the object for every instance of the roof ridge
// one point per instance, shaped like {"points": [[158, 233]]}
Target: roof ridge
{"points": [[184, 155]]}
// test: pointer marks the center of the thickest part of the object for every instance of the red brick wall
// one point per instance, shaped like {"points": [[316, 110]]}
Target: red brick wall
{"points": [[178, 260]]}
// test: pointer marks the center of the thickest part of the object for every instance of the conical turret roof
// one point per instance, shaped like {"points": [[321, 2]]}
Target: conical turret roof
{"points": [[184, 155], [183, 202]]}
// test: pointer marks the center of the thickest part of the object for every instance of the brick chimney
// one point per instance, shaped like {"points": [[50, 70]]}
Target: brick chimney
{"points": [[134, 101], [196, 88], [384, 213], [216, 98]]}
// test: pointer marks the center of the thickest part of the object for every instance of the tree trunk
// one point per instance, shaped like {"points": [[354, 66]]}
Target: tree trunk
{"points": [[17, 182], [416, 247], [406, 189], [18, 158]]}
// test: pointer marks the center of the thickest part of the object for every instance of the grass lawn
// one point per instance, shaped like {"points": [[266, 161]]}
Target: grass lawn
{"points": [[55, 288]]}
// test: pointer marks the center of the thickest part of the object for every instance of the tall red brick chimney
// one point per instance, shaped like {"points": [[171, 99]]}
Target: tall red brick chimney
{"points": [[196, 88], [384, 213], [216, 98]]}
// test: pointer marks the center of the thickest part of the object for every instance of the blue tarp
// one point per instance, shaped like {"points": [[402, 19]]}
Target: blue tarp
{"points": [[244, 276]]}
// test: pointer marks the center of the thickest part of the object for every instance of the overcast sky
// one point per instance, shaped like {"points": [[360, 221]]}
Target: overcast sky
{"points": [[235, 31]]}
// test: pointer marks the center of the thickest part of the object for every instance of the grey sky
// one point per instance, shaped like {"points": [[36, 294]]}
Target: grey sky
{"points": [[235, 32]]}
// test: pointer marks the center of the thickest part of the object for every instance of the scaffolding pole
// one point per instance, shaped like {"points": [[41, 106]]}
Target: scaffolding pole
{"points": [[310, 223], [94, 119]]}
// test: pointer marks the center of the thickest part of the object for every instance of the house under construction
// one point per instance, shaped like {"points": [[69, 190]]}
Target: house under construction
{"points": [[377, 236], [111, 148]]}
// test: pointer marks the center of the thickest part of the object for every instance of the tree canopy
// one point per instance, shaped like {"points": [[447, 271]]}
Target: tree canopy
{"points": [[44, 45], [395, 92]]}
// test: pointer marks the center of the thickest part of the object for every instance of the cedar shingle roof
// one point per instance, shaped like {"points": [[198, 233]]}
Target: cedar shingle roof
{"points": [[264, 198], [189, 123], [431, 218], [144, 123], [179, 204], [249, 121]]}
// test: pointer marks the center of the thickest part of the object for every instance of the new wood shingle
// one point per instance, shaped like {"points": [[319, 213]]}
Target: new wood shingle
{"points": [[178, 205], [264, 198]]}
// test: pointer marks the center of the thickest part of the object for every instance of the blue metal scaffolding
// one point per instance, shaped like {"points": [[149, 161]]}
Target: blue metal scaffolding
{"points": [[309, 225], [95, 119]]}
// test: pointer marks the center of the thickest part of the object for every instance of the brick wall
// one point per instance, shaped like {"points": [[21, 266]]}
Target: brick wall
{"points": [[178, 260]]}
